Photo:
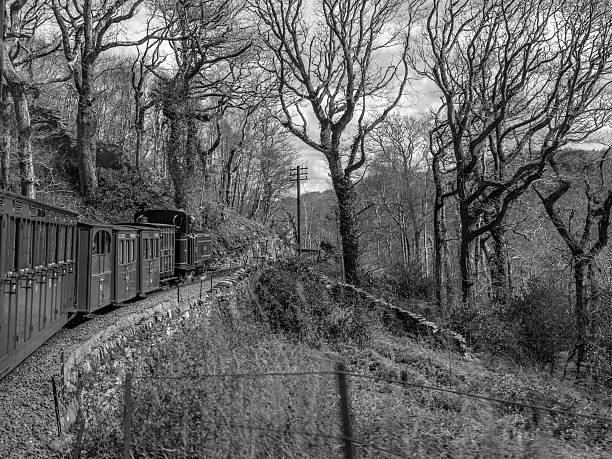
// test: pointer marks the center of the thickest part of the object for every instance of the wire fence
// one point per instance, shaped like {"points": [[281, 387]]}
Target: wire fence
{"points": [[325, 441], [158, 422]]}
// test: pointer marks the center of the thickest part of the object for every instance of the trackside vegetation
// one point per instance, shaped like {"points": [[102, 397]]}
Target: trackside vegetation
{"points": [[202, 387]]}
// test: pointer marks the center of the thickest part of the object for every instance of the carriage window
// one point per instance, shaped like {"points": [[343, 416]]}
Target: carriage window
{"points": [[51, 241], [16, 249], [106, 242], [131, 247], [69, 232], [35, 242], [96, 244], [122, 252], [12, 246], [61, 239], [24, 241], [42, 241]]}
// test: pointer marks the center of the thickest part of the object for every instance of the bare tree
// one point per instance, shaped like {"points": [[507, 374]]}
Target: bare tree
{"points": [[146, 61], [88, 30], [20, 47], [513, 92], [399, 146], [204, 36], [590, 183], [276, 154], [337, 65]]}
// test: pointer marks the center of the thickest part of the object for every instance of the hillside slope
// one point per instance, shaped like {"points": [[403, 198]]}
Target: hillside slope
{"points": [[256, 377]]}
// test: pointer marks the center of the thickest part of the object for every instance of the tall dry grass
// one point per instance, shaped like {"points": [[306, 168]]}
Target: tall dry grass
{"points": [[297, 416]]}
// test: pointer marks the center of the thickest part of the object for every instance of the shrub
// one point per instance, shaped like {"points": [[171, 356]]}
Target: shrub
{"points": [[533, 325], [599, 336], [292, 301], [120, 194], [411, 282]]}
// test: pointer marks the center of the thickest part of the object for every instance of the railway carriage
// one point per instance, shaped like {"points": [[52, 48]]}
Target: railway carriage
{"points": [[192, 248], [53, 267], [125, 275], [148, 259], [94, 267], [165, 248], [37, 269]]}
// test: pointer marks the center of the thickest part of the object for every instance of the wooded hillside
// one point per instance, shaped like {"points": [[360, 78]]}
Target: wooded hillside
{"points": [[492, 200]]}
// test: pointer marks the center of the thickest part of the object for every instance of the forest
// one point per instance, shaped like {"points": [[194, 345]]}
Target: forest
{"points": [[467, 149]]}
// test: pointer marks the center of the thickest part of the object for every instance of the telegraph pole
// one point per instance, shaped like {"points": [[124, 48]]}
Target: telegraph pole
{"points": [[297, 174], [2, 7]]}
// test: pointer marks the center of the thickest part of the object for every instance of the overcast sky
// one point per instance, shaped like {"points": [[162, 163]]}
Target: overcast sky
{"points": [[418, 99]]}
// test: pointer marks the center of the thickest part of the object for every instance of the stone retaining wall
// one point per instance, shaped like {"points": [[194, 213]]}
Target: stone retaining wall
{"points": [[398, 319], [82, 358]]}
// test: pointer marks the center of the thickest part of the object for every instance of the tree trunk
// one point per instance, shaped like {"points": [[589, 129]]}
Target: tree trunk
{"points": [[24, 138], [24, 145], [580, 267], [228, 185], [464, 253], [347, 199], [499, 265], [139, 125], [181, 150], [175, 167], [86, 137], [5, 142], [439, 236]]}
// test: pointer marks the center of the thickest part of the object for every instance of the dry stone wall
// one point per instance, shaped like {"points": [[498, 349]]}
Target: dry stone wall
{"points": [[398, 319], [83, 358]]}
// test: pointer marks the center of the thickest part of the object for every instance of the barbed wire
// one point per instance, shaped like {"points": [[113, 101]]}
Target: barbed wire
{"points": [[381, 379], [482, 397], [304, 433], [236, 375]]}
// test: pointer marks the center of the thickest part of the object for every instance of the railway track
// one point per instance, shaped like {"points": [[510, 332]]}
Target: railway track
{"points": [[27, 416]]}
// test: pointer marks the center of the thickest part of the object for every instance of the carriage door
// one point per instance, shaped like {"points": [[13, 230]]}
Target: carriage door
{"points": [[101, 262], [9, 285], [52, 287], [23, 301]]}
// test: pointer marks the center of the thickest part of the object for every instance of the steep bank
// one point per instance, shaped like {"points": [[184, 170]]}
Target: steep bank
{"points": [[257, 377]]}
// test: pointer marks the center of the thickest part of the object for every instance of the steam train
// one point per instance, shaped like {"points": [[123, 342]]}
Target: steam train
{"points": [[54, 267]]}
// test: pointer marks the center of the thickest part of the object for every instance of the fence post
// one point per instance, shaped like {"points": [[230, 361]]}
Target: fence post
{"points": [[178, 292], [345, 413], [127, 416], [56, 402], [76, 451], [63, 369], [201, 282], [211, 279]]}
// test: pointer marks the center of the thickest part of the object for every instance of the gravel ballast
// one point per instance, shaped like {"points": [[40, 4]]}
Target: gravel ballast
{"points": [[27, 417]]}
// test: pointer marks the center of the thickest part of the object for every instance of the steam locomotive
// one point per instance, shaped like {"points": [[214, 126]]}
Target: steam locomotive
{"points": [[53, 267]]}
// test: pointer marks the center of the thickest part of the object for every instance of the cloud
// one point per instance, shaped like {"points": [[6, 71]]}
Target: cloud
{"points": [[422, 97], [318, 175]]}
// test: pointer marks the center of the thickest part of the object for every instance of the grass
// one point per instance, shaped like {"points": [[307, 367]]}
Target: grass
{"points": [[297, 416]]}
